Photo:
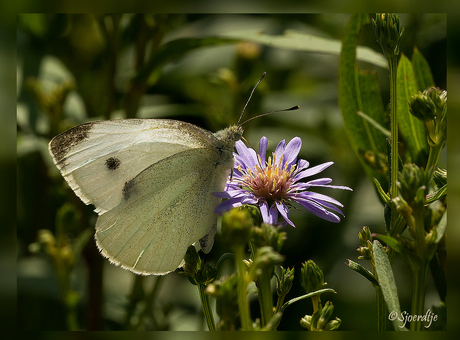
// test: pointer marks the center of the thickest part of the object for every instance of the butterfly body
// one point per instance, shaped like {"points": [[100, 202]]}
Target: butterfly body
{"points": [[150, 181]]}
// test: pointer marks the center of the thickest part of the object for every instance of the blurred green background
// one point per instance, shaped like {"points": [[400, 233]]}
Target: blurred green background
{"points": [[76, 68]]}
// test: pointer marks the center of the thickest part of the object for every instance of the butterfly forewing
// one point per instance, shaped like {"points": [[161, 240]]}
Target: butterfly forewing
{"points": [[98, 158]]}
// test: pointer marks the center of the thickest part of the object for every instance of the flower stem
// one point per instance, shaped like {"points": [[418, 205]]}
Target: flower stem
{"points": [[419, 269], [392, 61], [265, 296], [418, 296], [243, 305], [381, 309], [206, 307], [435, 152]]}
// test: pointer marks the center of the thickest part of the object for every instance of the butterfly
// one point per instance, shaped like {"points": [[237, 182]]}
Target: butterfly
{"points": [[151, 182]]}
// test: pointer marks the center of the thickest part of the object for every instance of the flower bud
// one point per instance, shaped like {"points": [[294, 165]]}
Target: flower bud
{"points": [[265, 259], [268, 235], [236, 227], [283, 286], [413, 184], [225, 292], [333, 325], [422, 107], [388, 33], [326, 314], [365, 235], [312, 278], [437, 96], [305, 322], [192, 263], [365, 252]]}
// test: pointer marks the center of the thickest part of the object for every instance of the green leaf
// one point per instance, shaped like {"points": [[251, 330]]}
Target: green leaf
{"points": [[300, 41], [359, 91], [412, 130], [383, 195], [391, 242], [306, 296], [422, 71], [174, 50], [441, 228], [387, 284], [363, 271], [438, 194]]}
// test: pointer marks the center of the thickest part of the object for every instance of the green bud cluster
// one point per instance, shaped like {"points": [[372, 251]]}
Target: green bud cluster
{"points": [[225, 292], [430, 106], [320, 321], [196, 270], [284, 282], [413, 185], [236, 227], [388, 33], [312, 278], [268, 235]]}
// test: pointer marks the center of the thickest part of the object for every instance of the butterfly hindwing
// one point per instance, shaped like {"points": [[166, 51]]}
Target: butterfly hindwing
{"points": [[164, 209]]}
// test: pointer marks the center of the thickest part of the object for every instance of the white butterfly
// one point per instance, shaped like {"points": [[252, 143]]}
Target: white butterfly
{"points": [[151, 182]]}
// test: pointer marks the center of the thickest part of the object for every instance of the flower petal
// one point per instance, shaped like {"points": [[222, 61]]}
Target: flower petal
{"points": [[318, 210], [279, 151], [302, 164], [322, 203], [247, 157], [319, 197], [313, 171], [292, 151], [272, 215], [249, 199], [284, 211], [263, 206], [263, 150], [227, 205]]}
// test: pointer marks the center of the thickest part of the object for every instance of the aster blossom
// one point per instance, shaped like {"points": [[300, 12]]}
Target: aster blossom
{"points": [[274, 184]]}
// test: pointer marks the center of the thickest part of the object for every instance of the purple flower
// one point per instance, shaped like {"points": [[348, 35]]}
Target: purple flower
{"points": [[274, 184]]}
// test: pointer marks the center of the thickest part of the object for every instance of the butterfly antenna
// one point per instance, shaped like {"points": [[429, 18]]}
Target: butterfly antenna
{"points": [[250, 96], [269, 113]]}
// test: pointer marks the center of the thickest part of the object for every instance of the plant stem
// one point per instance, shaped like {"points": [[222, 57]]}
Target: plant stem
{"points": [[243, 305], [393, 63], [381, 309], [418, 296], [433, 158], [206, 307], [265, 296]]}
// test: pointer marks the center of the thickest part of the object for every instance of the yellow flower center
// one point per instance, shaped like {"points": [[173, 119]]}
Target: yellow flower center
{"points": [[271, 182]]}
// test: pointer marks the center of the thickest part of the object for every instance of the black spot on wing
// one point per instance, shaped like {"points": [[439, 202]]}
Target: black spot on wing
{"points": [[128, 189], [61, 144], [112, 163]]}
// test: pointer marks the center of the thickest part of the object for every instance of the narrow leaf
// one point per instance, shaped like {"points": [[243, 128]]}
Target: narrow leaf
{"points": [[381, 192], [300, 41], [363, 271], [306, 296], [422, 71], [385, 132], [391, 242], [438, 194], [359, 91], [387, 284], [412, 130], [441, 228]]}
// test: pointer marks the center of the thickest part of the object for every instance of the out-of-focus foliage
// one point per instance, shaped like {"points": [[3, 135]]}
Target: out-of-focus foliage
{"points": [[197, 68]]}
